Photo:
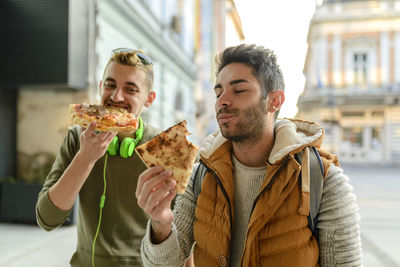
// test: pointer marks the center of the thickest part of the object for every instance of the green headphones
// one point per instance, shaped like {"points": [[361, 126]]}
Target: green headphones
{"points": [[127, 145]]}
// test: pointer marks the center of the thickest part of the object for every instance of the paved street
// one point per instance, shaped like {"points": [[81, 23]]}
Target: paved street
{"points": [[378, 194], [377, 189]]}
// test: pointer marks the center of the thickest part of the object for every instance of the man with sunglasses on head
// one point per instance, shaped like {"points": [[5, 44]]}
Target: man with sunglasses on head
{"points": [[110, 235]]}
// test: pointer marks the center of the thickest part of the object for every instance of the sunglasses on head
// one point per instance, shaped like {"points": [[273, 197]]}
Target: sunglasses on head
{"points": [[146, 60]]}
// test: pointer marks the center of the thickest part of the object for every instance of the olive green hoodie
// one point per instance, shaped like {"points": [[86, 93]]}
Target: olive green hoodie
{"points": [[123, 222]]}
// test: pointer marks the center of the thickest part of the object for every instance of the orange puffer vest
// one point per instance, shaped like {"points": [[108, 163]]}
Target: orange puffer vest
{"points": [[277, 233]]}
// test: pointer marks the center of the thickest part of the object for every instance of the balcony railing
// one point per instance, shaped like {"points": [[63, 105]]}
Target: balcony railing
{"points": [[392, 89], [351, 96]]}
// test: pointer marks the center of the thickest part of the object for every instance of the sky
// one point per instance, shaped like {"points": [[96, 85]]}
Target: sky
{"points": [[280, 25]]}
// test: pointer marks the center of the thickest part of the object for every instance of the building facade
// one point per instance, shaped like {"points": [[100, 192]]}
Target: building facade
{"points": [[215, 19], [66, 63], [164, 30], [352, 71]]}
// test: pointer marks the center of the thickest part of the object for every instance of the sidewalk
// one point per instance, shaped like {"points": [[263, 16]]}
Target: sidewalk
{"points": [[378, 196], [28, 245]]}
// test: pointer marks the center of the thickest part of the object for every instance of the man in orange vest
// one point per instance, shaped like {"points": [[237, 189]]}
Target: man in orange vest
{"points": [[253, 207]]}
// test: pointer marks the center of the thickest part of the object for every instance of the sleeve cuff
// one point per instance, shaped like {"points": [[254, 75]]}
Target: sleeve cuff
{"points": [[161, 253]]}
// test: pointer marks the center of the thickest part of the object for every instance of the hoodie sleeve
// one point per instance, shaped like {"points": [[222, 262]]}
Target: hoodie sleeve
{"points": [[48, 216], [338, 222]]}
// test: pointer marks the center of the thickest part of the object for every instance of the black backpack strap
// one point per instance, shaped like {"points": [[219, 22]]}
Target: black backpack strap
{"points": [[199, 173], [316, 186]]}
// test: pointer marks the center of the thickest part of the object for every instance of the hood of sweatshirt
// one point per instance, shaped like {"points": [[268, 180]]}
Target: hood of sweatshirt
{"points": [[291, 136]]}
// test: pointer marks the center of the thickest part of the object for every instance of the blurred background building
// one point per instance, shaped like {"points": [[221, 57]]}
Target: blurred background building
{"points": [[222, 17], [54, 53], [352, 71]]}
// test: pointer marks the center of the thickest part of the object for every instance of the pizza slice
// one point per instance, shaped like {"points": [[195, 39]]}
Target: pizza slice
{"points": [[171, 150], [108, 119]]}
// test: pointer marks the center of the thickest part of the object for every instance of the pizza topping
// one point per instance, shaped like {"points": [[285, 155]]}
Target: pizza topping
{"points": [[107, 118]]}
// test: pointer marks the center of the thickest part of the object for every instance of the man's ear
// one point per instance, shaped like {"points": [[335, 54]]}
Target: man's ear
{"points": [[150, 98], [275, 100]]}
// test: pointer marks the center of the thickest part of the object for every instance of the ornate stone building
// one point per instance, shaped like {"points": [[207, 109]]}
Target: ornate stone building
{"points": [[352, 71]]}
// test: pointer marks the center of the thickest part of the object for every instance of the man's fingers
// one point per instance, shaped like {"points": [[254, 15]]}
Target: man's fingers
{"points": [[112, 134], [90, 129], [157, 196], [92, 126], [106, 136], [146, 175], [150, 186], [165, 203]]}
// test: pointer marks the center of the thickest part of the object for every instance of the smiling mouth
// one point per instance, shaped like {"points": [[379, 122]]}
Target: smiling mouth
{"points": [[117, 105]]}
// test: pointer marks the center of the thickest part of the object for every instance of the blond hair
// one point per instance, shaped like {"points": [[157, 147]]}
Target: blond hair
{"points": [[131, 58]]}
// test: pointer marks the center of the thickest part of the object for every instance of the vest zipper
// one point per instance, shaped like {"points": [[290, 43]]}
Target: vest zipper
{"points": [[269, 185], [227, 199]]}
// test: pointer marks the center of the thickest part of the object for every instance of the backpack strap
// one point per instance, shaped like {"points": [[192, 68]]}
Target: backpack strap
{"points": [[199, 173], [314, 184], [317, 184]]}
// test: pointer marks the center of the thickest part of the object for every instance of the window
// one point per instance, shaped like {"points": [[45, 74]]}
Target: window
{"points": [[352, 113], [376, 143], [377, 114], [360, 63], [179, 101], [179, 112], [353, 137]]}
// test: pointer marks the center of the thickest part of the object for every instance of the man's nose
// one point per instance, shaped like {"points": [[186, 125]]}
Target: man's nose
{"points": [[117, 95], [224, 99]]}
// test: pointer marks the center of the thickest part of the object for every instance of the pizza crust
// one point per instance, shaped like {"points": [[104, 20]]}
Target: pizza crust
{"points": [[171, 150]]}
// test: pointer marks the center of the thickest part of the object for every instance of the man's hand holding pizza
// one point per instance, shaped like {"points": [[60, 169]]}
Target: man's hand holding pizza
{"points": [[169, 157], [154, 193], [93, 145]]}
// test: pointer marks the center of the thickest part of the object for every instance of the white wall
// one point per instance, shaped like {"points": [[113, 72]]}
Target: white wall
{"points": [[320, 60], [397, 57], [337, 60], [385, 61], [43, 118]]}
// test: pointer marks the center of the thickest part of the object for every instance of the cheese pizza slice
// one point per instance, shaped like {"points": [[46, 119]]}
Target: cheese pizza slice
{"points": [[171, 150]]}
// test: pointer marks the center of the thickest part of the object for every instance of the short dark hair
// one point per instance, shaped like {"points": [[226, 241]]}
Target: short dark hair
{"points": [[262, 60]]}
